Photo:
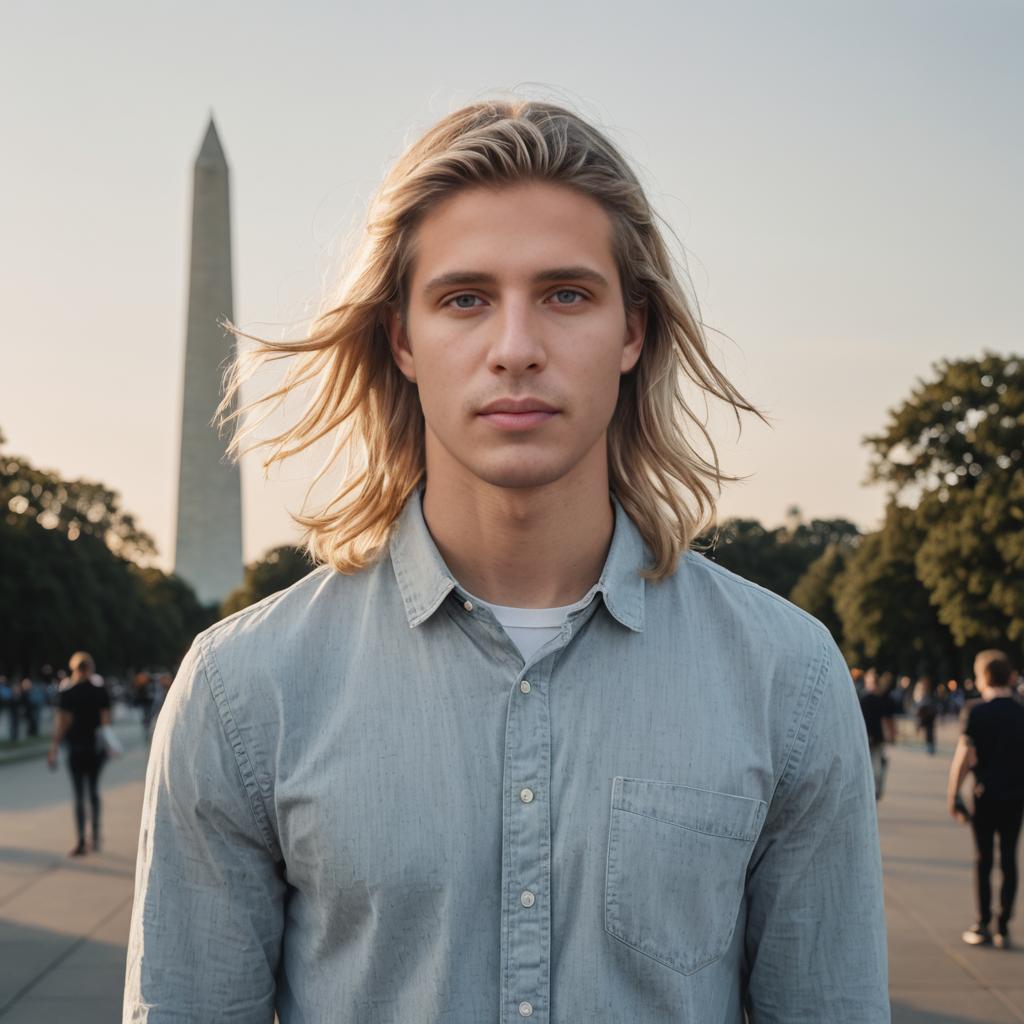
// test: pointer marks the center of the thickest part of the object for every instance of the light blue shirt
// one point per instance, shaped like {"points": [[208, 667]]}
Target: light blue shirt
{"points": [[362, 806]]}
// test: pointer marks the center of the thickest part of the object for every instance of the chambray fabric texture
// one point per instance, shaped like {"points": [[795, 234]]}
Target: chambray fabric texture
{"points": [[361, 806]]}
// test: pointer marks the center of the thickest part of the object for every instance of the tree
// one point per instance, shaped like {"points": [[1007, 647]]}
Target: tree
{"points": [[957, 445], [957, 429], [63, 588], [971, 559], [279, 568], [73, 507], [747, 548], [886, 615], [173, 615], [815, 590], [776, 558]]}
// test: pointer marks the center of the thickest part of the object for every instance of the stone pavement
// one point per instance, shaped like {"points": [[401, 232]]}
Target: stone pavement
{"points": [[64, 923]]}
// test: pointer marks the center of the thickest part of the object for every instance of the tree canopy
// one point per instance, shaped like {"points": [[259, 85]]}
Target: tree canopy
{"points": [[963, 426], [774, 558], [951, 457], [279, 568], [68, 581], [73, 507]]}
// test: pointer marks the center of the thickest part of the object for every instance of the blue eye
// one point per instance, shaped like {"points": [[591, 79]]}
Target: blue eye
{"points": [[466, 300]]}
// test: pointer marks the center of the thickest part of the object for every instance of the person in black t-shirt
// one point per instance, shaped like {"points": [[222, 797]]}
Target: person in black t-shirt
{"points": [[992, 746], [877, 709], [84, 709]]}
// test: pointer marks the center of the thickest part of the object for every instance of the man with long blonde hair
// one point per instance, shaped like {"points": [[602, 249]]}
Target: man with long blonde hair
{"points": [[514, 750]]}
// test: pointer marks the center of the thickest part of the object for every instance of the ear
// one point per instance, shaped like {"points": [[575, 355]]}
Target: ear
{"points": [[398, 342], [636, 331]]}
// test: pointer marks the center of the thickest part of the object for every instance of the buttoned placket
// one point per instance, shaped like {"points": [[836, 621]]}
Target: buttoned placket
{"points": [[526, 824]]}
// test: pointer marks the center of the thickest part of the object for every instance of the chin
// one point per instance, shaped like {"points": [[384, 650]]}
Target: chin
{"points": [[521, 474]]}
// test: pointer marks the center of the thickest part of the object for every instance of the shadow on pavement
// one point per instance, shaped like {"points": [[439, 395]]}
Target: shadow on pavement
{"points": [[113, 863], [960, 863], [903, 1014], [49, 976]]}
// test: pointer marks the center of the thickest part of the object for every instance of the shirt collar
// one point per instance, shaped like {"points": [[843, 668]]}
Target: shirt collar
{"points": [[425, 581]]}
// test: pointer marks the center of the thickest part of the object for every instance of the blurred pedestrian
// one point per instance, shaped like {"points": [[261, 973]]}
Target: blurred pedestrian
{"points": [[992, 747], [926, 710], [904, 693], [82, 718], [31, 701], [956, 697], [143, 696], [877, 709], [162, 688], [11, 701]]}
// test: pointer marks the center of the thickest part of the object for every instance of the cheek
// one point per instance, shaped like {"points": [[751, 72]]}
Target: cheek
{"points": [[596, 377], [441, 383], [438, 363]]}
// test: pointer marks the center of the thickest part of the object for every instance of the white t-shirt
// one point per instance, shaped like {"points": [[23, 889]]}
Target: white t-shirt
{"points": [[531, 628]]}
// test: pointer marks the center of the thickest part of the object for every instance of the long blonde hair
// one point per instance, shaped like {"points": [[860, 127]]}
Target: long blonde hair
{"points": [[360, 397]]}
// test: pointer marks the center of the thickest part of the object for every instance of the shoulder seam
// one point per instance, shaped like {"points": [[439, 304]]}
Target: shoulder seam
{"points": [[706, 564], [242, 613], [246, 772], [806, 718]]}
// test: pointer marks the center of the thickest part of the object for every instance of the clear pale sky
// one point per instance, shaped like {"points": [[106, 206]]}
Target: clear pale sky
{"points": [[845, 179]]}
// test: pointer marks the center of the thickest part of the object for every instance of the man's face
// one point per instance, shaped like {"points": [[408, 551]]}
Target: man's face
{"points": [[517, 334]]}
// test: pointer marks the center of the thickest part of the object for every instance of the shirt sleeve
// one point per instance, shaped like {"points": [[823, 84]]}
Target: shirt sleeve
{"points": [[207, 921], [816, 946]]}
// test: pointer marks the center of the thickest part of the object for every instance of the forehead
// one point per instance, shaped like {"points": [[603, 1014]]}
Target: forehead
{"points": [[513, 230]]}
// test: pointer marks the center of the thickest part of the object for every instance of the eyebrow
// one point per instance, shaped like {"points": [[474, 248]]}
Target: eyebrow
{"points": [[471, 277]]}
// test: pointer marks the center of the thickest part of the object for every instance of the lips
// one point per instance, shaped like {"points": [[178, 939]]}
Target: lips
{"points": [[517, 413], [517, 406]]}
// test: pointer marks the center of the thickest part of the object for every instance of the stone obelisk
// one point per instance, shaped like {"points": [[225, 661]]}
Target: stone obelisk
{"points": [[208, 549]]}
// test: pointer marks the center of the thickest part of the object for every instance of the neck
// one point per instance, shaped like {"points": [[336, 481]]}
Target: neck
{"points": [[531, 547], [991, 692]]}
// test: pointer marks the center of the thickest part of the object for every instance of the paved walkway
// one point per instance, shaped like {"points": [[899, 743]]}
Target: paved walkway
{"points": [[64, 923]]}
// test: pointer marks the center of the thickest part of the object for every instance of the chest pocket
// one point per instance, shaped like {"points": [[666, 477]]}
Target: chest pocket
{"points": [[677, 861]]}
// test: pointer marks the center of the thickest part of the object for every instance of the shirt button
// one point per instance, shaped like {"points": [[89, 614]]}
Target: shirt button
{"points": [[525, 1009], [524, 686], [468, 605], [526, 795], [527, 898]]}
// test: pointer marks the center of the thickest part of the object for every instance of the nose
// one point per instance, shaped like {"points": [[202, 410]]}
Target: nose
{"points": [[517, 345]]}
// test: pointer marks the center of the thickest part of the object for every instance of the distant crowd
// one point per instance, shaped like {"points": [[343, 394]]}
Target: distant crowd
{"points": [[25, 702], [886, 698]]}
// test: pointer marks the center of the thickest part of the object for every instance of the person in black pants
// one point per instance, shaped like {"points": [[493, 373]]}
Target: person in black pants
{"points": [[992, 746], [877, 708], [84, 709]]}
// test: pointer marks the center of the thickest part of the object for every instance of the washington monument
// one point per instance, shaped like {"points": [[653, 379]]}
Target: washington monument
{"points": [[208, 548]]}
